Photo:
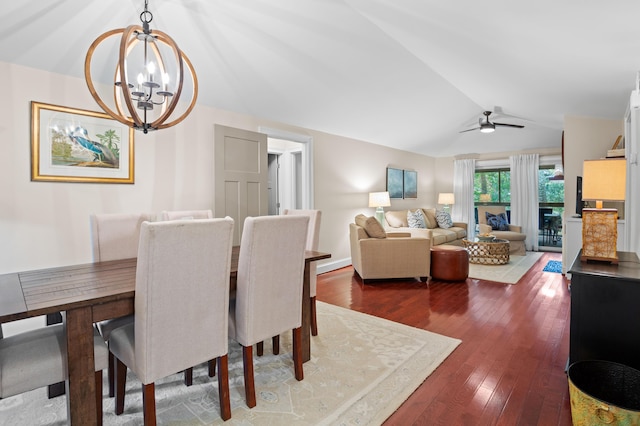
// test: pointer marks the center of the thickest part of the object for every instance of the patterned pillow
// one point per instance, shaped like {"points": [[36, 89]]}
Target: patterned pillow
{"points": [[498, 221], [444, 219], [416, 219]]}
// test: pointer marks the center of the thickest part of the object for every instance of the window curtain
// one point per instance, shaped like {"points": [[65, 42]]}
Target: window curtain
{"points": [[463, 209], [524, 196]]}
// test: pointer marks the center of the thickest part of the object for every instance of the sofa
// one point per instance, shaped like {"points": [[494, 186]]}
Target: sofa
{"points": [[376, 254], [511, 233], [397, 222]]}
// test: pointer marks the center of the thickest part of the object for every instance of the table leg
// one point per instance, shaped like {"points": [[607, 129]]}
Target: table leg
{"points": [[306, 313], [81, 386], [56, 389]]}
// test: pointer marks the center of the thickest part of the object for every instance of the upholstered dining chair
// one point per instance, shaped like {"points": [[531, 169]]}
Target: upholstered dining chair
{"points": [[313, 237], [185, 214], [268, 297], [37, 358], [115, 236], [177, 326]]}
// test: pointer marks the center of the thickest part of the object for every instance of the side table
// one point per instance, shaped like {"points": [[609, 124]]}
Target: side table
{"points": [[494, 252]]}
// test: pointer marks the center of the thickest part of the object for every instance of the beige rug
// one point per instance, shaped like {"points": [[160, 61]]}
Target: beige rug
{"points": [[509, 273], [362, 369]]}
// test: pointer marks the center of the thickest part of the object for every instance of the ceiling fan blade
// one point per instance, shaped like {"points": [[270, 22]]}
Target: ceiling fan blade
{"points": [[468, 130], [509, 125]]}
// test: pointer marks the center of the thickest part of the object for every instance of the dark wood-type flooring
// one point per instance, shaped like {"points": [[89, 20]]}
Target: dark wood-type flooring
{"points": [[509, 368]]}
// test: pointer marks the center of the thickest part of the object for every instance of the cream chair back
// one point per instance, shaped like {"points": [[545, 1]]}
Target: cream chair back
{"points": [[270, 273], [182, 295], [185, 214], [313, 238], [116, 235]]}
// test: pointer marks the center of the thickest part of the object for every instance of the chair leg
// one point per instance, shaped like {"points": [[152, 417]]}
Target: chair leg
{"points": [[212, 368], [99, 397], [259, 348], [223, 387], [121, 380], [297, 353], [188, 376], [314, 319], [249, 385], [275, 343], [110, 375], [149, 404]]}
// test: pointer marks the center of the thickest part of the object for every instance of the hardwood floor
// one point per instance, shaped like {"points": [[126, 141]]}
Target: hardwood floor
{"points": [[509, 368]]}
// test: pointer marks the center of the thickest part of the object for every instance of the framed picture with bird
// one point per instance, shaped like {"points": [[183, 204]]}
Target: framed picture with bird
{"points": [[76, 145]]}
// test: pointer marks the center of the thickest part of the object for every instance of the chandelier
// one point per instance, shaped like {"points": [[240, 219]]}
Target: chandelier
{"points": [[148, 79]]}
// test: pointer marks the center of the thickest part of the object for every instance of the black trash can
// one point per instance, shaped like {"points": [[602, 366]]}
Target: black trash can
{"points": [[604, 393]]}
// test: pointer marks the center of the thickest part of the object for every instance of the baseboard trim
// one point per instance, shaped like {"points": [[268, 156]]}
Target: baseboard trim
{"points": [[332, 266]]}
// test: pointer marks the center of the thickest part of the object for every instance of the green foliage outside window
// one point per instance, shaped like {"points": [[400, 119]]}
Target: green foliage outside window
{"points": [[497, 184]]}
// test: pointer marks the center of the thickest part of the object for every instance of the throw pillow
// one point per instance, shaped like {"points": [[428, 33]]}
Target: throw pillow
{"points": [[498, 222], [416, 219], [396, 218], [444, 219], [430, 218], [360, 220], [371, 226]]}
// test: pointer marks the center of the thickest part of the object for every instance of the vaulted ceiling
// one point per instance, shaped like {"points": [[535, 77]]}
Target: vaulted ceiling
{"points": [[409, 74]]}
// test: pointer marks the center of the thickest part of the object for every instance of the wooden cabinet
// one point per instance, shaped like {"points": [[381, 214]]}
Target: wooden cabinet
{"points": [[605, 319]]}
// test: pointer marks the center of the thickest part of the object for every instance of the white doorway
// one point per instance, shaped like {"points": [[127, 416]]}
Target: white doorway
{"points": [[290, 170]]}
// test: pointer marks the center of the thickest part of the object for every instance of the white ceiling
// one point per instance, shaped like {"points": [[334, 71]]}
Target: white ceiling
{"points": [[403, 73]]}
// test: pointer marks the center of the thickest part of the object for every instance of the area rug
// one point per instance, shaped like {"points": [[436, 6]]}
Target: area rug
{"points": [[362, 369], [553, 266], [509, 273]]}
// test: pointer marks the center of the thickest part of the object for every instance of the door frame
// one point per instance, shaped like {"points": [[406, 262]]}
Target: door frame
{"points": [[306, 142]]}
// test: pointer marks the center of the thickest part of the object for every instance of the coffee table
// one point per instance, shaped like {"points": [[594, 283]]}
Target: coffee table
{"points": [[494, 252]]}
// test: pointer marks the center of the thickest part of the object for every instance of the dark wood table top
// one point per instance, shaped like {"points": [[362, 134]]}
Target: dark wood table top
{"points": [[44, 291]]}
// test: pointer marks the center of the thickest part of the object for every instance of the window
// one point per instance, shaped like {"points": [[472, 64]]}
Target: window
{"points": [[550, 192], [492, 187]]}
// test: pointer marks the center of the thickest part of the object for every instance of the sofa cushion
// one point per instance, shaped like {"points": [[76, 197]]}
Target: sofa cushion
{"points": [[371, 226], [397, 218], [430, 218], [444, 219], [443, 236], [416, 219], [498, 222], [460, 232]]}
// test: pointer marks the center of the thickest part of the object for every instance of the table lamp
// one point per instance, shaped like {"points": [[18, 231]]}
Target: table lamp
{"points": [[379, 200], [485, 198], [446, 198], [602, 180]]}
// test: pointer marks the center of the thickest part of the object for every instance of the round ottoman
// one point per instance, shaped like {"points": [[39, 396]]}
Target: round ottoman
{"points": [[449, 263]]}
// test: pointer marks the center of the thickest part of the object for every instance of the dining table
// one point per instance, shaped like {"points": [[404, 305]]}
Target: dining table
{"points": [[93, 292]]}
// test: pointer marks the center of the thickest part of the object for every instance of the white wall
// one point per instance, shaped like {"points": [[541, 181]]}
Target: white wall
{"points": [[44, 224], [586, 138]]}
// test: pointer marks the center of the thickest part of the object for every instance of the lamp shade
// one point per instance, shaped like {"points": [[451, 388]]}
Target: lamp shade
{"points": [[604, 180], [379, 199], [485, 198], [446, 198]]}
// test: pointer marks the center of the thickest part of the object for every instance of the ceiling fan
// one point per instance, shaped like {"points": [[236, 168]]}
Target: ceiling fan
{"points": [[486, 126]]}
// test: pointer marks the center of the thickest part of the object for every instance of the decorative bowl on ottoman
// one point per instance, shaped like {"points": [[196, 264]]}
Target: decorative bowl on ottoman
{"points": [[486, 237]]}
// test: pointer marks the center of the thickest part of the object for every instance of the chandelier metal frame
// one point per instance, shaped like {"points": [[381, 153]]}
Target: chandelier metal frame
{"points": [[127, 101]]}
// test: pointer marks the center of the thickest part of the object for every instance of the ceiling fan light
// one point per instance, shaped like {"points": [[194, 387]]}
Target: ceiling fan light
{"points": [[487, 128]]}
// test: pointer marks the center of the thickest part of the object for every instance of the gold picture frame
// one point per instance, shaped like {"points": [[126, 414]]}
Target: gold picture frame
{"points": [[76, 145]]}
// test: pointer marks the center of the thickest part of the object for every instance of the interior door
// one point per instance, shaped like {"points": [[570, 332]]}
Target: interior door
{"points": [[240, 173]]}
